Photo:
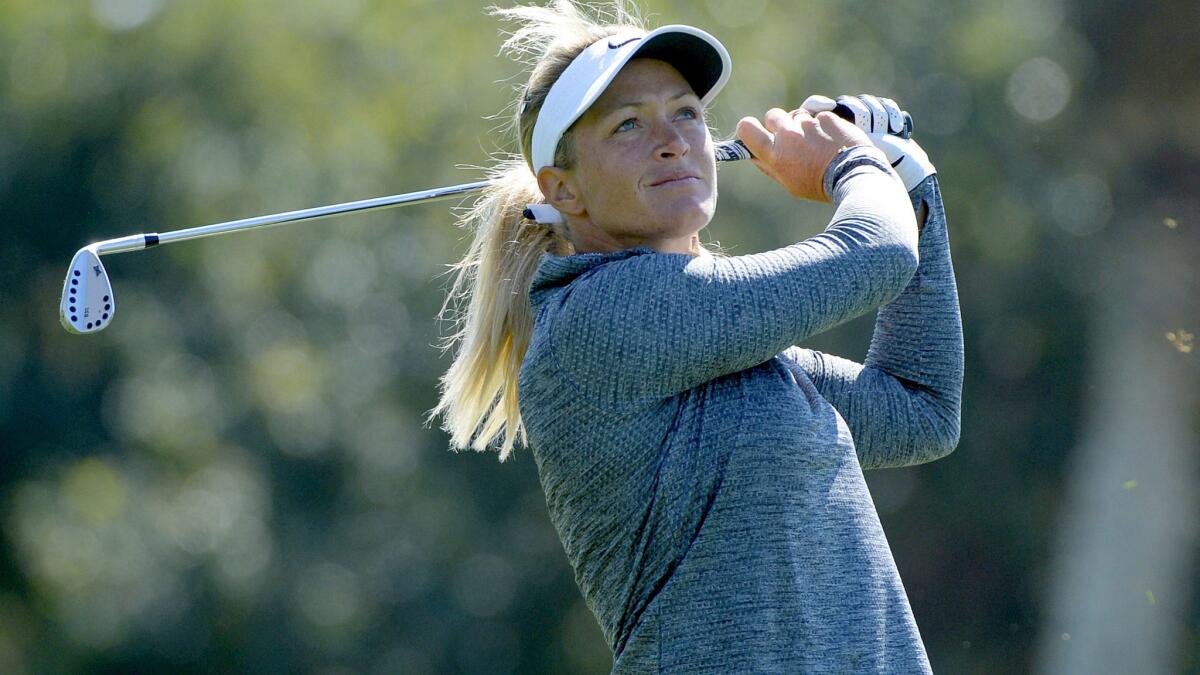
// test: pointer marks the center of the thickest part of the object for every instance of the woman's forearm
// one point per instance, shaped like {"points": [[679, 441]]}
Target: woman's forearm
{"points": [[918, 340], [902, 404]]}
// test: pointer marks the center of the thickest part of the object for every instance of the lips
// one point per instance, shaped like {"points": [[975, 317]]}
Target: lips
{"points": [[677, 178]]}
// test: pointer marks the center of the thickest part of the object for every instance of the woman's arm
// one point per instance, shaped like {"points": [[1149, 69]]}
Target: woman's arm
{"points": [[903, 403], [640, 329]]}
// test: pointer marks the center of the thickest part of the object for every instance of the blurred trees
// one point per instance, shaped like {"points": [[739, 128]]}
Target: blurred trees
{"points": [[235, 475], [1124, 583]]}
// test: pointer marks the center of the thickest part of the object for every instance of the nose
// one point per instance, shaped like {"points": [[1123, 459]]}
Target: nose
{"points": [[669, 142]]}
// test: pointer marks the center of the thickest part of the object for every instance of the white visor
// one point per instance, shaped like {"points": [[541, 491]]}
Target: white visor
{"points": [[699, 57]]}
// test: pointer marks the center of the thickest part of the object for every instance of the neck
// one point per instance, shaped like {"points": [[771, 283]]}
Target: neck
{"points": [[587, 238]]}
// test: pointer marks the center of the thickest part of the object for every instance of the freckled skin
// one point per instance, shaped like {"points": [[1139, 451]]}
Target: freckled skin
{"points": [[646, 129]]}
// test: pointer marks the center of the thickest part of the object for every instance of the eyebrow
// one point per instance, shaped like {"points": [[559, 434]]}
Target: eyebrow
{"points": [[633, 103]]}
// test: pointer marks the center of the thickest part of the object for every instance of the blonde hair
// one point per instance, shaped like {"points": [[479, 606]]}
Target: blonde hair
{"points": [[479, 390]]}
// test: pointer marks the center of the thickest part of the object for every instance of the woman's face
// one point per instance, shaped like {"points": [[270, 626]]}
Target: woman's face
{"points": [[644, 173]]}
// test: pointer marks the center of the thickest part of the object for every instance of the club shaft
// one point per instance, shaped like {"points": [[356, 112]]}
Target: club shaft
{"points": [[139, 241], [727, 151]]}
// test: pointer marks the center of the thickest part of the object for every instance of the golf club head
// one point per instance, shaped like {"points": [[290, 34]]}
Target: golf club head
{"points": [[87, 299]]}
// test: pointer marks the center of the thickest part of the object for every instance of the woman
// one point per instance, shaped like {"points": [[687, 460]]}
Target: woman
{"points": [[703, 472]]}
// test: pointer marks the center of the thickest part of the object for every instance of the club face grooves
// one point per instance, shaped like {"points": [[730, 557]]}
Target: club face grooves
{"points": [[87, 302]]}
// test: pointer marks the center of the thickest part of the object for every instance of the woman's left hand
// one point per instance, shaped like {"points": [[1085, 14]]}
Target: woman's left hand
{"points": [[884, 123]]}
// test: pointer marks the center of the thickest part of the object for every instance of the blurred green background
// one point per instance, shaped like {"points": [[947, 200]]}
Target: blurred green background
{"points": [[235, 475]]}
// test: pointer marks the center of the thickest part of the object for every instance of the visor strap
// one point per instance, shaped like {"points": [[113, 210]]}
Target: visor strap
{"points": [[543, 214]]}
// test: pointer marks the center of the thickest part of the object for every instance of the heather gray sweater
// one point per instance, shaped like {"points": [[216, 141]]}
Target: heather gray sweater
{"points": [[705, 475]]}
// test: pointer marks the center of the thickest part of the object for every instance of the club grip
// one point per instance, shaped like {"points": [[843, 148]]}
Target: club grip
{"points": [[735, 150], [732, 151]]}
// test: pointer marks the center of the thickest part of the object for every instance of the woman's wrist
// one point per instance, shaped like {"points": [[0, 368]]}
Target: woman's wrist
{"points": [[851, 157]]}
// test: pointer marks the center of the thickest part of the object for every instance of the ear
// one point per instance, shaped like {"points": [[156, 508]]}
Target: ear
{"points": [[561, 190]]}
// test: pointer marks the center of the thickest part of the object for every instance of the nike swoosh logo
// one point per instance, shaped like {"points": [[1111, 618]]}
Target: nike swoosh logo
{"points": [[618, 45], [897, 162]]}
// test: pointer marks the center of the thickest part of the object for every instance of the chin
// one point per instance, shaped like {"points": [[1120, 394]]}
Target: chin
{"points": [[691, 219]]}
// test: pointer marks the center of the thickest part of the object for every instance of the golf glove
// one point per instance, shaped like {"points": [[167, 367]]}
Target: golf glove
{"points": [[888, 127]]}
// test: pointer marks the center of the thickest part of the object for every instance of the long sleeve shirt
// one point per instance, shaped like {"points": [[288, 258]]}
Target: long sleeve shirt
{"points": [[704, 472]]}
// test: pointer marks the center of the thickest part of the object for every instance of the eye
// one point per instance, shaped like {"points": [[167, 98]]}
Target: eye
{"points": [[689, 113], [626, 125]]}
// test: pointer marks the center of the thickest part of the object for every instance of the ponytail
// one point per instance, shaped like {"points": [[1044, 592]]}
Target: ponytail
{"points": [[479, 391]]}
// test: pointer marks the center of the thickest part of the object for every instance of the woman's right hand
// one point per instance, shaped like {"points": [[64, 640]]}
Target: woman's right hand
{"points": [[795, 148]]}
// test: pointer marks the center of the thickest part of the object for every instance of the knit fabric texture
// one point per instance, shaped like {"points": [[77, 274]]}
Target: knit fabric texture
{"points": [[704, 472]]}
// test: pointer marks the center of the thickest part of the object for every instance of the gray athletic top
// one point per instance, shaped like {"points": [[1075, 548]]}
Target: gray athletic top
{"points": [[705, 475]]}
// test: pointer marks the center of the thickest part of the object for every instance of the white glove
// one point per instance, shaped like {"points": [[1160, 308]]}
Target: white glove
{"points": [[887, 126]]}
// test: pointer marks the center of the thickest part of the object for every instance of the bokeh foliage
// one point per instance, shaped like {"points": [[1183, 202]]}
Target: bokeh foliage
{"points": [[235, 475]]}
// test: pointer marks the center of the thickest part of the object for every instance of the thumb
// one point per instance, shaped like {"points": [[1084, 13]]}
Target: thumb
{"points": [[756, 137], [818, 103]]}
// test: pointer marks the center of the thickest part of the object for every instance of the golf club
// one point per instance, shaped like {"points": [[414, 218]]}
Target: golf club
{"points": [[88, 303]]}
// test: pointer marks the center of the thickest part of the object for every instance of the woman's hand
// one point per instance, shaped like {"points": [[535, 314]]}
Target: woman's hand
{"points": [[795, 148], [884, 123]]}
